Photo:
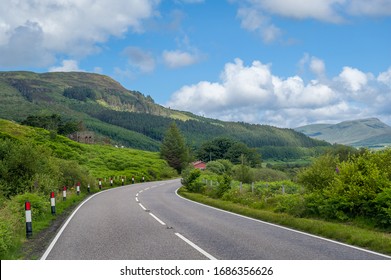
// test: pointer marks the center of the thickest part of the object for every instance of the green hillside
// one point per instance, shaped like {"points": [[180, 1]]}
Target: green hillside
{"points": [[130, 118], [100, 160]]}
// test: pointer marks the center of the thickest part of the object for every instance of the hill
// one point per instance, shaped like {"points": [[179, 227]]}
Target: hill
{"points": [[370, 133], [100, 160], [130, 118]]}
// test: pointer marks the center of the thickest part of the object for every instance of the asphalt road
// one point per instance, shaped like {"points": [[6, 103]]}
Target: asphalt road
{"points": [[150, 221]]}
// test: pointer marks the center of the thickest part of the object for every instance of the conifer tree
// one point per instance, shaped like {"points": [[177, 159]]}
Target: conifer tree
{"points": [[174, 149]]}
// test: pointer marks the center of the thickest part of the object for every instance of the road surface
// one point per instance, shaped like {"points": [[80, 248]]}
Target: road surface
{"points": [[149, 221]]}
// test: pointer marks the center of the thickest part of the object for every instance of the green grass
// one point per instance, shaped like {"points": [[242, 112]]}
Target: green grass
{"points": [[353, 235]]}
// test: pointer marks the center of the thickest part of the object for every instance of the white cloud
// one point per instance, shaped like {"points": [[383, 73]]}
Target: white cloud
{"points": [[385, 77], [253, 94], [317, 66], [255, 15], [71, 27], [178, 58], [371, 8], [317, 9], [141, 59], [254, 20], [353, 79], [67, 66]]}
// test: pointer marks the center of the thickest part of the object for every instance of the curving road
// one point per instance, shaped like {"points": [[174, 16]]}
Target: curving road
{"points": [[150, 221]]}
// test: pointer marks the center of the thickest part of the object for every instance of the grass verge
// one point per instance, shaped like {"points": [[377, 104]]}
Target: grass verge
{"points": [[352, 235]]}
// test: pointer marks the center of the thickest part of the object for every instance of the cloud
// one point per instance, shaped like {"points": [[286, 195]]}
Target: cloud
{"points": [[67, 66], [24, 47], [353, 79], [385, 77], [254, 20], [256, 15], [254, 94], [72, 27], [140, 59], [178, 58]]}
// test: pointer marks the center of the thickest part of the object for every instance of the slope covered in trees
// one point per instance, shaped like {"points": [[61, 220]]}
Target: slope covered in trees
{"points": [[132, 119]]}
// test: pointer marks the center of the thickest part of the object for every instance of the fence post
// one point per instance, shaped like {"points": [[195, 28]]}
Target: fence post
{"points": [[53, 203], [29, 224]]}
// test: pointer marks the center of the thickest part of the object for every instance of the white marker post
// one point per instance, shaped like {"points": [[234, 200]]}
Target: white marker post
{"points": [[64, 193], [78, 188], [100, 184], [29, 224], [111, 181], [88, 188], [123, 181], [53, 202]]}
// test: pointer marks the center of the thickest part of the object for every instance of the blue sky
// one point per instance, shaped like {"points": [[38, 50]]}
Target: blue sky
{"points": [[280, 62]]}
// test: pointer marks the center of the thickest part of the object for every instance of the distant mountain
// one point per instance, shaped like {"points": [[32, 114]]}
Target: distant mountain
{"points": [[370, 133], [129, 117]]}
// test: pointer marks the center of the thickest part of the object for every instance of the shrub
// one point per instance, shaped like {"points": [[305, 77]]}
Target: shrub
{"points": [[320, 174], [190, 178], [293, 204]]}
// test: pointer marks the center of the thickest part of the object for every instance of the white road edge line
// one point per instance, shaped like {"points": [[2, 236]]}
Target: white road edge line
{"points": [[289, 229], [137, 199], [206, 254], [49, 249], [157, 219], [142, 206]]}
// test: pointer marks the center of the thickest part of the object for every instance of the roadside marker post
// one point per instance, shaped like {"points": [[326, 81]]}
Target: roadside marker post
{"points": [[64, 193], [111, 181], [88, 188], [78, 188], [53, 203], [123, 180], [100, 183], [132, 179], [29, 224]]}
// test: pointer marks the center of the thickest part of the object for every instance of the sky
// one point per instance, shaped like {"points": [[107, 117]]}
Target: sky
{"points": [[285, 63]]}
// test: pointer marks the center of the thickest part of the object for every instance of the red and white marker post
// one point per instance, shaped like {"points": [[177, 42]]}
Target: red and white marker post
{"points": [[64, 193], [111, 181], [29, 224], [78, 188], [53, 202]]}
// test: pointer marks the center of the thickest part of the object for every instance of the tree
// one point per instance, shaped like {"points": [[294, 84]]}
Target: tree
{"points": [[174, 149]]}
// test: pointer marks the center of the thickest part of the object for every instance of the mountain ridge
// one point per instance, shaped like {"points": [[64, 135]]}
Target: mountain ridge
{"points": [[369, 132]]}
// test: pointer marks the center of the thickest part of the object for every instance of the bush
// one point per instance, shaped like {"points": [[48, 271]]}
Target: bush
{"points": [[215, 167], [269, 175], [190, 178], [320, 174], [224, 184], [293, 204]]}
